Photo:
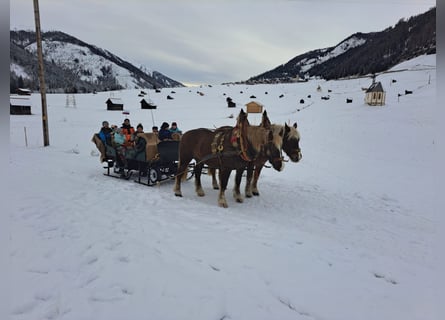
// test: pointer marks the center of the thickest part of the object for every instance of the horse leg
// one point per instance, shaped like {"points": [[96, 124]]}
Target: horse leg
{"points": [[215, 184], [236, 188], [198, 186], [248, 188], [256, 176], [224, 175], [182, 171]]}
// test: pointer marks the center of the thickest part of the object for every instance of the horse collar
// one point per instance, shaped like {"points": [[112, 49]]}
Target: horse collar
{"points": [[239, 140]]}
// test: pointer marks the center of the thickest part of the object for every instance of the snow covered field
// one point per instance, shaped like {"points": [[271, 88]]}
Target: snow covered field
{"points": [[348, 233]]}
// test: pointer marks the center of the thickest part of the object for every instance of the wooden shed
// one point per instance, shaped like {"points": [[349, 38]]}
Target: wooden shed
{"points": [[19, 105], [115, 104], [254, 107], [147, 105], [375, 95]]}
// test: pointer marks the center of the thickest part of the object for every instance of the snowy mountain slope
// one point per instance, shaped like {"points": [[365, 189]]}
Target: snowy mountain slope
{"points": [[361, 53], [326, 54], [348, 233], [89, 64]]}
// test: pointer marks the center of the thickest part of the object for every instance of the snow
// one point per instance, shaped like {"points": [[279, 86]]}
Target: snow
{"points": [[88, 64], [347, 233], [335, 52], [19, 71]]}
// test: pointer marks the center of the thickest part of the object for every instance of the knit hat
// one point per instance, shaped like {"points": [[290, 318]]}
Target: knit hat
{"points": [[164, 125]]}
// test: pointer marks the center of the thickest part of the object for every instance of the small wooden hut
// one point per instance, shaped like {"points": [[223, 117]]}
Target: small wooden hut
{"points": [[147, 105], [375, 95], [254, 107], [19, 105], [23, 92], [115, 104]]}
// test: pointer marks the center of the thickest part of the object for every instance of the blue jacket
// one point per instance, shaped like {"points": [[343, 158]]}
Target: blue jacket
{"points": [[164, 134], [119, 138], [105, 135]]}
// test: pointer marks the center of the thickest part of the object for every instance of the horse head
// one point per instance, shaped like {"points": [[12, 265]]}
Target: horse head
{"points": [[265, 122], [272, 150], [291, 142], [242, 118]]}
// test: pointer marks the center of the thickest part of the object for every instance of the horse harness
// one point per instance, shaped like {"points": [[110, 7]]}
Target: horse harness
{"points": [[238, 140]]}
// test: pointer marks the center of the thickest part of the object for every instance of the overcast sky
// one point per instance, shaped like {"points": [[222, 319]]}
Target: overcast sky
{"points": [[213, 41]]}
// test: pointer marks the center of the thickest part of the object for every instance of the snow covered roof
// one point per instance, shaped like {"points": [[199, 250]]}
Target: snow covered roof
{"points": [[375, 87], [115, 100], [19, 101]]}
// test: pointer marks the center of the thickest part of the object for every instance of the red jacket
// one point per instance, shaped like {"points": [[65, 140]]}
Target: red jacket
{"points": [[127, 131]]}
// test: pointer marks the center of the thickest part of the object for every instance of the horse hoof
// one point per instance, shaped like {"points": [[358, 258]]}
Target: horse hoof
{"points": [[200, 193], [215, 188], [239, 200], [178, 194], [256, 193], [248, 196]]}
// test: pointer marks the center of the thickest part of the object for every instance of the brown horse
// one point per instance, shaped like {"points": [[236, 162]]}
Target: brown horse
{"points": [[290, 145], [278, 135], [225, 149]]}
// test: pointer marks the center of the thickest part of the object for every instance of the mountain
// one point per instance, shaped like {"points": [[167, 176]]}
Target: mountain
{"points": [[72, 65], [361, 53]]}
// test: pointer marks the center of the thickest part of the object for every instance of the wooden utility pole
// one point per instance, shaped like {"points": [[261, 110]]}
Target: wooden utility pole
{"points": [[41, 74]]}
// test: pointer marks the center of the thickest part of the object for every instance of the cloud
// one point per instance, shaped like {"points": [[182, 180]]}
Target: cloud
{"points": [[213, 41]]}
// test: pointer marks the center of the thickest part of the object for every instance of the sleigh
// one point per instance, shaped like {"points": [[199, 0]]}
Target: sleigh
{"points": [[157, 162]]}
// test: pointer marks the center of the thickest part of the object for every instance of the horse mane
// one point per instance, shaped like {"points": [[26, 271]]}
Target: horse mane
{"points": [[279, 129], [257, 136], [293, 133]]}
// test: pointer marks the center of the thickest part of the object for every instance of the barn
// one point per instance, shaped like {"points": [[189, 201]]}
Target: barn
{"points": [[19, 105], [147, 105], [375, 95], [115, 104]]}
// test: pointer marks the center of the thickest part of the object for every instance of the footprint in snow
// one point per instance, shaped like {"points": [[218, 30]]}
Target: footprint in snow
{"points": [[383, 277]]}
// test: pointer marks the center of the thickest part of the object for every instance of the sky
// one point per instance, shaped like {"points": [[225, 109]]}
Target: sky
{"points": [[196, 42]]}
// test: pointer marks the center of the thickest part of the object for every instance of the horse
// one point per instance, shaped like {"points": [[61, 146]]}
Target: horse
{"points": [[290, 145], [258, 161], [225, 149]]}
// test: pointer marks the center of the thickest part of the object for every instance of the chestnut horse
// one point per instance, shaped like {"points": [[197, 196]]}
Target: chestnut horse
{"points": [[225, 149], [290, 145]]}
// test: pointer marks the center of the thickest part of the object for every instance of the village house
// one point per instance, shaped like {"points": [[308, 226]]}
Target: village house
{"points": [[375, 95]]}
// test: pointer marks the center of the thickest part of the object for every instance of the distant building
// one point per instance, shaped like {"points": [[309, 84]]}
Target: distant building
{"points": [[19, 105], [114, 104], [375, 95], [254, 107], [147, 105], [23, 92]]}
